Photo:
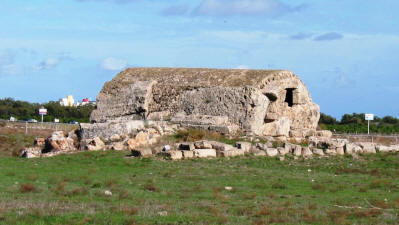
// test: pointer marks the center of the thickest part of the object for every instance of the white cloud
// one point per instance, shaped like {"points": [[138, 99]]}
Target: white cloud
{"points": [[238, 35], [47, 64], [329, 36], [12, 69], [392, 88], [6, 58], [113, 64], [116, 1], [244, 7], [175, 10], [7, 64], [300, 36]]}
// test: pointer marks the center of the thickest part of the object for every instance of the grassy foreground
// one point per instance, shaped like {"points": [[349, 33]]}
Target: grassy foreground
{"points": [[70, 189]]}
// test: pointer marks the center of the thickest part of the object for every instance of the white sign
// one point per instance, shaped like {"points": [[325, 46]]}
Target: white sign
{"points": [[56, 120], [42, 111], [369, 116]]}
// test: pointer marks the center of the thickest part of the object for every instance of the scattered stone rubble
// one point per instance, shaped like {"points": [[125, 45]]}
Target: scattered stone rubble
{"points": [[318, 146], [141, 145]]}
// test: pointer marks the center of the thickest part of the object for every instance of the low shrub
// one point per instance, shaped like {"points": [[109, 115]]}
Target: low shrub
{"points": [[319, 187], [151, 187], [79, 191], [123, 194], [129, 210], [279, 185], [28, 187], [32, 177]]}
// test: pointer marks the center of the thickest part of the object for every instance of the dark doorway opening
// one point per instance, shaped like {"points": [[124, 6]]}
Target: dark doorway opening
{"points": [[271, 96], [289, 96]]}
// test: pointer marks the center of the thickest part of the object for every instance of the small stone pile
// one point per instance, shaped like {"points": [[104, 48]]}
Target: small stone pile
{"points": [[332, 147], [57, 143], [204, 149]]}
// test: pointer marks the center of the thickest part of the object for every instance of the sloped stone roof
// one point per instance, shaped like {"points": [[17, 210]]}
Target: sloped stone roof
{"points": [[200, 77]]}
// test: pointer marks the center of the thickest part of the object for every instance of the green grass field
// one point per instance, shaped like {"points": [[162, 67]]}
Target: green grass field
{"points": [[70, 189]]}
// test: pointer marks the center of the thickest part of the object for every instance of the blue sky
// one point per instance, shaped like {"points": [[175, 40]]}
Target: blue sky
{"points": [[346, 51]]}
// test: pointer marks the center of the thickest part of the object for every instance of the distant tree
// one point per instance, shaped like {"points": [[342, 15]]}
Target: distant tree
{"points": [[390, 120], [353, 118], [25, 110], [355, 123], [326, 119]]}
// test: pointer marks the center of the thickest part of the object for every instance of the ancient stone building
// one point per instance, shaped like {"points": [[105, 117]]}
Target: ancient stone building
{"points": [[260, 102]]}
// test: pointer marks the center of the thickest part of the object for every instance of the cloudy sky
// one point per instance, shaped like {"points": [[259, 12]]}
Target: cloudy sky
{"points": [[346, 51]]}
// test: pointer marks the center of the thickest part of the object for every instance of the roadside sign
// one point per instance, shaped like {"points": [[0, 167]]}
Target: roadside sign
{"points": [[369, 116], [42, 111], [56, 120]]}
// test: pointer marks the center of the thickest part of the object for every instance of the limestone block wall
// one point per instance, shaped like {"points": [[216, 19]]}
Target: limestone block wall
{"points": [[261, 102]]}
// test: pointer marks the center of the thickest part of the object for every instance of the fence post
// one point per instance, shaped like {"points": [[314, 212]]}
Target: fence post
{"points": [[26, 127]]}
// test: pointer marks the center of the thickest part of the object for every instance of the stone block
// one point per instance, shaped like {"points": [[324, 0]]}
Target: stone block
{"points": [[33, 152], [189, 146], [173, 154], [306, 152], [246, 146], [367, 147], [272, 152], [204, 153], [115, 138], [283, 151], [297, 150], [221, 146], [95, 144], [324, 133], [259, 153], [318, 151], [384, 148], [232, 153], [261, 146], [331, 151], [119, 146], [340, 151], [202, 145], [141, 152], [140, 140], [40, 142], [188, 154], [352, 148]]}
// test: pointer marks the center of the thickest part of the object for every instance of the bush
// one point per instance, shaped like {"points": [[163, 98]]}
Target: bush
{"points": [[279, 185], [28, 187]]}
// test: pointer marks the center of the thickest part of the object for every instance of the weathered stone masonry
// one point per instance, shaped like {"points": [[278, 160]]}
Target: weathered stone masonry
{"points": [[259, 102]]}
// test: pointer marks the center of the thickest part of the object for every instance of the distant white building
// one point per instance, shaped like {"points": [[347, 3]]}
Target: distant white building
{"points": [[63, 101], [68, 101]]}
